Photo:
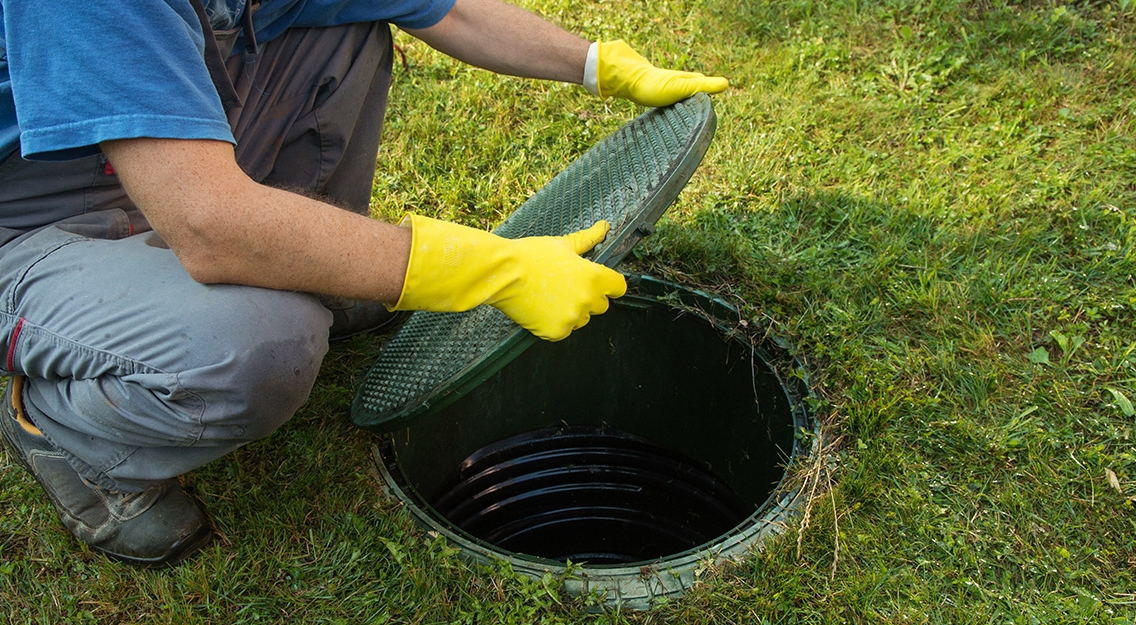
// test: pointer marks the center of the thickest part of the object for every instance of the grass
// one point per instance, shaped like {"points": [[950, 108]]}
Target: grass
{"points": [[934, 201]]}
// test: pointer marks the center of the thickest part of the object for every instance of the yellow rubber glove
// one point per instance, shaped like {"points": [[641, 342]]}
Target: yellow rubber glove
{"points": [[542, 283], [622, 72]]}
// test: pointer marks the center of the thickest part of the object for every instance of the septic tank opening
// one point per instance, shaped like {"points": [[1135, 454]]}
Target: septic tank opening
{"points": [[652, 439], [588, 494]]}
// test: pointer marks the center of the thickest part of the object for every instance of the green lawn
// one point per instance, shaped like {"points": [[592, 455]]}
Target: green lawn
{"points": [[934, 201]]}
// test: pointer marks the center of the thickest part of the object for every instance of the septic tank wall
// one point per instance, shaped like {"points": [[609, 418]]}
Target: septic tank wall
{"points": [[643, 368]]}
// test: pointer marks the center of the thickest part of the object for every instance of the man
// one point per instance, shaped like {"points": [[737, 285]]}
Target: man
{"points": [[173, 248]]}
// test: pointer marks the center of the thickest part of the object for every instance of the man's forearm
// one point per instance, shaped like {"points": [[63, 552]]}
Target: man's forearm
{"points": [[506, 39], [225, 228]]}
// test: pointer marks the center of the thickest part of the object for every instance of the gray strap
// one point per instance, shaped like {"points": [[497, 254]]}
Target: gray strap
{"points": [[215, 60]]}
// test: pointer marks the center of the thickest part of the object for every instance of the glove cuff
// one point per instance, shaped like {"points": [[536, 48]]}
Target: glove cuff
{"points": [[406, 222], [591, 69], [452, 268]]}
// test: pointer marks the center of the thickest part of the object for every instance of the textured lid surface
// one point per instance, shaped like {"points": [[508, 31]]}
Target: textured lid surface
{"points": [[628, 179]]}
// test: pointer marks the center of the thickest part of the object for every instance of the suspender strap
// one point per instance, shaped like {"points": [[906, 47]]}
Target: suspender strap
{"points": [[246, 26], [215, 60]]}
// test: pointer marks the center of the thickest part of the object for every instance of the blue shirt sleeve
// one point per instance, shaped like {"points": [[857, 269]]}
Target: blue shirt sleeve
{"points": [[84, 72], [80, 71]]}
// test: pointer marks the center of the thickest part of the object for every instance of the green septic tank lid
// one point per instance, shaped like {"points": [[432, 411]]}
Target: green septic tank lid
{"points": [[629, 179]]}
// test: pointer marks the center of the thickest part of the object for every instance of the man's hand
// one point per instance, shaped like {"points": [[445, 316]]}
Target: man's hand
{"points": [[623, 73], [542, 283]]}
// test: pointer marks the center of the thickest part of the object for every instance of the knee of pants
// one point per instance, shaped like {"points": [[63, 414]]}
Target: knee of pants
{"points": [[274, 381], [264, 377]]}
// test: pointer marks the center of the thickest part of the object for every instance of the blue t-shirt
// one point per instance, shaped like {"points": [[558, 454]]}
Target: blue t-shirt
{"points": [[77, 72]]}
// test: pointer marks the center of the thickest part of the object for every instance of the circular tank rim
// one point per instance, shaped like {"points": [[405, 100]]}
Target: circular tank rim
{"points": [[638, 585]]}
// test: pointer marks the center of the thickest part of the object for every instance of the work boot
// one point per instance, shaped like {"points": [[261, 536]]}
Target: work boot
{"points": [[350, 317], [158, 526]]}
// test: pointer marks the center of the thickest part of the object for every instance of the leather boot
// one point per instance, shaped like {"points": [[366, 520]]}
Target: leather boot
{"points": [[158, 526]]}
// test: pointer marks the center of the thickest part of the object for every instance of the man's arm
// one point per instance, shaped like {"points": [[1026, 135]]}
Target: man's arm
{"points": [[506, 39], [497, 36], [224, 227]]}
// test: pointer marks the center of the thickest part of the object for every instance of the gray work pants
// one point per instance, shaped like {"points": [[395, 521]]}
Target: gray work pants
{"points": [[132, 368]]}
